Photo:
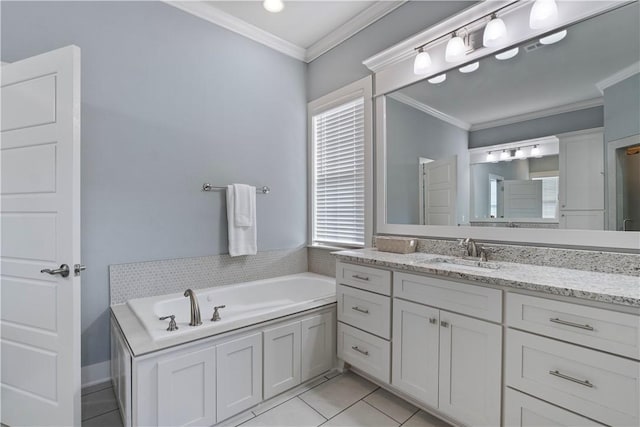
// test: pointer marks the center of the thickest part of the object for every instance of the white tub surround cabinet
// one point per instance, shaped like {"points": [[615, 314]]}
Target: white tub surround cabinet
{"points": [[206, 381], [566, 361]]}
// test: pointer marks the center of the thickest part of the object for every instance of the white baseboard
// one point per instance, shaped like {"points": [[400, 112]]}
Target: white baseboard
{"points": [[96, 373]]}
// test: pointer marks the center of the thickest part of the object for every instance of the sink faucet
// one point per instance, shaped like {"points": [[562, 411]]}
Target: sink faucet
{"points": [[195, 308], [474, 249]]}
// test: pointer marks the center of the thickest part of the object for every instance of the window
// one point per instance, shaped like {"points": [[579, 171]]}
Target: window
{"points": [[339, 156], [549, 194]]}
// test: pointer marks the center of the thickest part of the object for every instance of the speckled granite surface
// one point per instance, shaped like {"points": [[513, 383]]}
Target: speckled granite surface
{"points": [[595, 286]]}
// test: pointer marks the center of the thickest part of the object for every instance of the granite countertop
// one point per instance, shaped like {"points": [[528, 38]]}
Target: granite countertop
{"points": [[602, 287]]}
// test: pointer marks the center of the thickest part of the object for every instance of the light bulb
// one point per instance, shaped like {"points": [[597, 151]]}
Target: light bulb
{"points": [[422, 63], [470, 68], [437, 79], [508, 54], [554, 38], [504, 155], [519, 152], [456, 49], [535, 151], [273, 6], [495, 33], [491, 157], [544, 14]]}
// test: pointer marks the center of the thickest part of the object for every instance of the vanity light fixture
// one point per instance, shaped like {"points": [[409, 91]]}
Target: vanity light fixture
{"points": [[491, 157], [535, 151], [495, 32], [437, 79], [544, 14], [422, 63], [273, 6], [554, 38], [508, 54], [505, 155], [470, 68], [519, 152], [456, 49]]}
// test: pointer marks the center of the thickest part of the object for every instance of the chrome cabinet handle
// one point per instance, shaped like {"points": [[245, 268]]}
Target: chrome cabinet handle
{"points": [[575, 325], [63, 271], [172, 322], [361, 310], [355, 347], [557, 373], [356, 276], [444, 324], [433, 320]]}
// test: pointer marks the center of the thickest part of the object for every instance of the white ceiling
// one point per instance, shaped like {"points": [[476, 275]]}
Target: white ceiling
{"points": [[551, 76], [304, 29]]}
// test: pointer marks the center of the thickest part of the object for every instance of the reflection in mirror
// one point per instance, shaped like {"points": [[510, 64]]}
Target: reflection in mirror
{"points": [[522, 140]]}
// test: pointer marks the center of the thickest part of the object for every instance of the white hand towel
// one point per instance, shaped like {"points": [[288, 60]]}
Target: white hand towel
{"points": [[242, 240], [244, 202]]}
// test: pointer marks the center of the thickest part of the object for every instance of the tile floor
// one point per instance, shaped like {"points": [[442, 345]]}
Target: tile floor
{"points": [[336, 400]]}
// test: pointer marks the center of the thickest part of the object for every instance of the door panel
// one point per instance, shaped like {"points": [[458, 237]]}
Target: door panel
{"points": [[440, 192], [281, 358], [41, 229], [318, 339]]}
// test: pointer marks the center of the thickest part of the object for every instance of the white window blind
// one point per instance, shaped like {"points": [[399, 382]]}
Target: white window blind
{"points": [[339, 174], [549, 196]]}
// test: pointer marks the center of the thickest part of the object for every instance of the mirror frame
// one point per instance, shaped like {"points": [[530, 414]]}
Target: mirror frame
{"points": [[394, 69]]}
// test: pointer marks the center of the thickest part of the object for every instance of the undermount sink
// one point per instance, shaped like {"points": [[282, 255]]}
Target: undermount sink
{"points": [[467, 262]]}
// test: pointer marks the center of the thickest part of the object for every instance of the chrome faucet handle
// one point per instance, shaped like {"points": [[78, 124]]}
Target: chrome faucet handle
{"points": [[483, 253], [216, 314], [172, 322]]}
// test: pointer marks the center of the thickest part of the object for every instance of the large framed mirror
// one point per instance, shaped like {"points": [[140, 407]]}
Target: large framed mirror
{"points": [[539, 144]]}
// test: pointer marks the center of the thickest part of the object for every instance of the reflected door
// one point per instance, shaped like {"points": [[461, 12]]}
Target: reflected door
{"points": [[440, 192]]}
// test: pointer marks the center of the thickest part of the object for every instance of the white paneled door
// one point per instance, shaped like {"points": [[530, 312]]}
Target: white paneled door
{"points": [[40, 322]]}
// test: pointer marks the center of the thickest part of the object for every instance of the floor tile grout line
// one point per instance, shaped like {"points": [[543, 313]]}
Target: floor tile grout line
{"points": [[411, 416], [107, 386], [384, 413], [363, 397], [325, 418], [99, 415]]}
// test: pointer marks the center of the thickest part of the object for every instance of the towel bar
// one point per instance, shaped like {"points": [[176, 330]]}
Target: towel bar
{"points": [[209, 187]]}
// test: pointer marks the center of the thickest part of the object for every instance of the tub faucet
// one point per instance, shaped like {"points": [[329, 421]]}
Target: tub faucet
{"points": [[195, 308]]}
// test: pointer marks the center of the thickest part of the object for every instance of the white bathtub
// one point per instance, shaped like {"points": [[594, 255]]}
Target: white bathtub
{"points": [[246, 304]]}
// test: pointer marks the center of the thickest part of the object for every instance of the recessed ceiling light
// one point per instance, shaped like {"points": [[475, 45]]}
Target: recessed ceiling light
{"points": [[437, 79], [554, 38], [470, 68], [273, 6], [508, 54]]}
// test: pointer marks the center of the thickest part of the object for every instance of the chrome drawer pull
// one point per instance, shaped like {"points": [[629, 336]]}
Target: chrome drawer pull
{"points": [[361, 310], [444, 324], [355, 347], [575, 325], [585, 383], [433, 320], [355, 276]]}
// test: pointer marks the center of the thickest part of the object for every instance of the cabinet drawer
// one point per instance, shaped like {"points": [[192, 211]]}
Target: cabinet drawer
{"points": [[367, 278], [472, 300], [364, 351], [521, 410], [588, 326], [600, 386], [365, 310]]}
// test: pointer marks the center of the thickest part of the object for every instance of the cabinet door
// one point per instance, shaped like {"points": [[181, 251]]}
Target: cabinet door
{"points": [[415, 350], [470, 369], [582, 220], [281, 358], [318, 334], [582, 171], [239, 375], [186, 389]]}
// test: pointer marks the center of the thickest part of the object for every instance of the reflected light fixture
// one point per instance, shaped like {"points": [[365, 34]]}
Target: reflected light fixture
{"points": [[508, 54], [456, 49], [495, 32], [491, 157], [554, 38], [504, 155], [273, 6], [470, 68], [422, 63], [437, 79], [519, 152], [544, 14], [535, 151]]}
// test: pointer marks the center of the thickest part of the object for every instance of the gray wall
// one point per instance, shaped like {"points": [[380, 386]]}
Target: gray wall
{"points": [[622, 109], [343, 64], [169, 101], [411, 134], [560, 123]]}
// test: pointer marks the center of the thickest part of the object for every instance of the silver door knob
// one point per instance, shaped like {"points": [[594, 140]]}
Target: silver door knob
{"points": [[77, 268], [63, 270]]}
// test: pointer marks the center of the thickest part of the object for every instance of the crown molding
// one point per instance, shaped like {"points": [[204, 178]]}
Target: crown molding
{"points": [[618, 77], [566, 108], [216, 16], [353, 26], [407, 100]]}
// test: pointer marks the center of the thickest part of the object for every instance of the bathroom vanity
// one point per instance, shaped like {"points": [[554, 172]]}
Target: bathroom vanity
{"points": [[493, 343]]}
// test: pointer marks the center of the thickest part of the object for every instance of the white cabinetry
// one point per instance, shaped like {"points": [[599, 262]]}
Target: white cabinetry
{"points": [[318, 344], [239, 375], [186, 389], [281, 358], [581, 190], [121, 374]]}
